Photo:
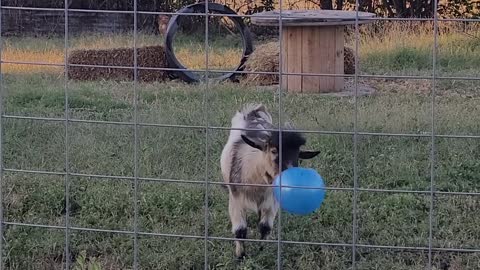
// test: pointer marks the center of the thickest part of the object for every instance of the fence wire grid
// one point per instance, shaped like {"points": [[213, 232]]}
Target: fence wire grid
{"points": [[432, 135]]}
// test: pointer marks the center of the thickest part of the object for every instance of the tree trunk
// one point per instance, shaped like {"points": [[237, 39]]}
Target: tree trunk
{"points": [[366, 5], [326, 4], [399, 8], [340, 4], [389, 9]]}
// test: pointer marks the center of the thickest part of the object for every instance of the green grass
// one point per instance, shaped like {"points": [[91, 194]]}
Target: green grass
{"points": [[178, 153], [384, 162], [406, 48]]}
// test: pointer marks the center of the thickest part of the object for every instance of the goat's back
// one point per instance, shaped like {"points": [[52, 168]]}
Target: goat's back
{"points": [[236, 154]]}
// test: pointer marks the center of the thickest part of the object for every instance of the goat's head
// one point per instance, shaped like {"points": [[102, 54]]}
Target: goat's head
{"points": [[269, 143]]}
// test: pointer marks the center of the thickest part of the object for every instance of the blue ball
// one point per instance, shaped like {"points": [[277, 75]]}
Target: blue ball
{"points": [[300, 201]]}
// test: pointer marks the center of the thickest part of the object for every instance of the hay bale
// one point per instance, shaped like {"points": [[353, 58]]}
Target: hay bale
{"points": [[265, 59], [149, 57]]}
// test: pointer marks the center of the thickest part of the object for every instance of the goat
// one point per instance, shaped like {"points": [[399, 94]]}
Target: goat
{"points": [[252, 157]]}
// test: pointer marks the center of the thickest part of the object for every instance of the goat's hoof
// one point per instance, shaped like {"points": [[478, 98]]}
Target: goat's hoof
{"points": [[240, 257], [264, 230]]}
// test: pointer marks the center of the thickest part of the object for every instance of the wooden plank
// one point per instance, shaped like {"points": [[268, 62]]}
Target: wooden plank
{"points": [[318, 50], [284, 58], [323, 55], [340, 58], [311, 17], [309, 23], [294, 58], [327, 56], [310, 59]]}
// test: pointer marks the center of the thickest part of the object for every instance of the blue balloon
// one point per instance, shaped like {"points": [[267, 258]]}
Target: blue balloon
{"points": [[301, 201]]}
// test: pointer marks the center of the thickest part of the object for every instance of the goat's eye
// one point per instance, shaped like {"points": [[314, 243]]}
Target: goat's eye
{"points": [[274, 151]]}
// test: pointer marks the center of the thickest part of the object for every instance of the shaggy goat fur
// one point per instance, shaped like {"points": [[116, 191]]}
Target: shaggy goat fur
{"points": [[251, 157]]}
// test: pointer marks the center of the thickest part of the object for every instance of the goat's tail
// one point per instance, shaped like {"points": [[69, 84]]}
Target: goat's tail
{"points": [[251, 116], [256, 112]]}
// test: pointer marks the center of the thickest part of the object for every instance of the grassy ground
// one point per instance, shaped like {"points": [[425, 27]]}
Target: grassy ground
{"points": [[386, 48], [224, 53], [407, 48], [384, 162]]}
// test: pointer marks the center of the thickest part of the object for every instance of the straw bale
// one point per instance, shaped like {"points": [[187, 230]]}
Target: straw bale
{"points": [[149, 57], [263, 59]]}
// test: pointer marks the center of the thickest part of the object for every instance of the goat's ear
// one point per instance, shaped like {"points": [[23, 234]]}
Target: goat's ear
{"points": [[308, 154], [254, 143]]}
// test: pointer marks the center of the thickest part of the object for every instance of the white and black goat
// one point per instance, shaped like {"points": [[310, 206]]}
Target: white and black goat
{"points": [[252, 157]]}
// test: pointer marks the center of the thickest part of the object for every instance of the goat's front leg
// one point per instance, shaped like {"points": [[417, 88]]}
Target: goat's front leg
{"points": [[239, 224], [267, 212]]}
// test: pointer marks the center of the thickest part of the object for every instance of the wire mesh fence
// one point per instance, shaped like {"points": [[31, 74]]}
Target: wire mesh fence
{"points": [[136, 125]]}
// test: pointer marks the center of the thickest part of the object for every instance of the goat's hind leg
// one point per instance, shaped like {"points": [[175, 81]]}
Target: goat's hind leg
{"points": [[238, 219]]}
